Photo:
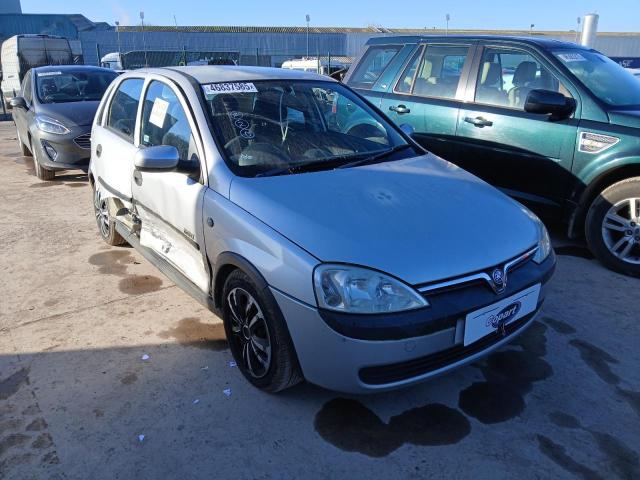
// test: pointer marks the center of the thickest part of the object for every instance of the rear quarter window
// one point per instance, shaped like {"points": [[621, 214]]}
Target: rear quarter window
{"points": [[372, 65]]}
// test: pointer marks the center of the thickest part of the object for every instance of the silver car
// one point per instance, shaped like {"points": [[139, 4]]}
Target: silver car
{"points": [[346, 256]]}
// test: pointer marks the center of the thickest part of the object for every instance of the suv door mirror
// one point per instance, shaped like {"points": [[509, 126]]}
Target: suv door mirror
{"points": [[408, 129], [18, 102], [550, 103], [159, 157]]}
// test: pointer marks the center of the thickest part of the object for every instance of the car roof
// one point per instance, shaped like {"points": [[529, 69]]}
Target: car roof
{"points": [[543, 42], [227, 73], [72, 68]]}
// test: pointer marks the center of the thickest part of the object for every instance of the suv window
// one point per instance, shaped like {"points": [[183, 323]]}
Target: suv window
{"points": [[373, 64], [437, 74], [164, 121], [26, 88], [121, 117], [506, 77]]}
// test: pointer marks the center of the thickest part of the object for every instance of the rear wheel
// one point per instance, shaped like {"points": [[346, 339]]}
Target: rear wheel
{"points": [[613, 227], [41, 172], [257, 334], [106, 225]]}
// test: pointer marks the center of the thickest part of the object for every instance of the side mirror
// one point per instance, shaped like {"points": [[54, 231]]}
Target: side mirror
{"points": [[18, 102], [160, 157], [407, 129], [551, 103]]}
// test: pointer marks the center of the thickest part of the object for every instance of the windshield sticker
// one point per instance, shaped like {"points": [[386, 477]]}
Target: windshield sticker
{"points": [[235, 87], [571, 57], [49, 74], [158, 112]]}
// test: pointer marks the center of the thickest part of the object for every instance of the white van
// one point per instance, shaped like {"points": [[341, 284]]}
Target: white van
{"points": [[314, 65], [23, 52]]}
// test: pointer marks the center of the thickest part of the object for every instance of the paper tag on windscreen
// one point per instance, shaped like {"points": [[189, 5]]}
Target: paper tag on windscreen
{"points": [[158, 112], [572, 57], [232, 87]]}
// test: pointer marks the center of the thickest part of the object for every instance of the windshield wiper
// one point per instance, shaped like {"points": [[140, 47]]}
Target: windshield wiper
{"points": [[374, 158], [295, 168]]}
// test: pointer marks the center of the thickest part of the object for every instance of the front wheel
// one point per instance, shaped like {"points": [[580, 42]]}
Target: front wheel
{"points": [[613, 227], [41, 172], [257, 335]]}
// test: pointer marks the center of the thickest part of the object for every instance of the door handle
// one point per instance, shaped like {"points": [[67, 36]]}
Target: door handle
{"points": [[400, 109], [479, 122], [99, 150]]}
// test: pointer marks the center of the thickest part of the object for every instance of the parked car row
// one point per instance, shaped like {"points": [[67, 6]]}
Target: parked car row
{"points": [[332, 244]]}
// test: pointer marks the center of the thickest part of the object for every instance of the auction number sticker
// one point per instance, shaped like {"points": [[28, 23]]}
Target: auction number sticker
{"points": [[572, 57], [234, 87], [49, 74]]}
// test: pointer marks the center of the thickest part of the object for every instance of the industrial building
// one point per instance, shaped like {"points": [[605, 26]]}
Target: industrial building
{"points": [[268, 46]]}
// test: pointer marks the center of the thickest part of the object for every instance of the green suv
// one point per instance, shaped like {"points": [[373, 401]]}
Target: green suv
{"points": [[553, 124]]}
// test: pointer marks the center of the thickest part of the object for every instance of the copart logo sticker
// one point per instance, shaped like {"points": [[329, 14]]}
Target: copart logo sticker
{"points": [[507, 313]]}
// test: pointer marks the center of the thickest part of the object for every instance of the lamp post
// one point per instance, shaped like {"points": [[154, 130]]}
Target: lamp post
{"points": [[531, 29], [118, 32], [578, 20], [447, 18], [144, 43], [308, 20]]}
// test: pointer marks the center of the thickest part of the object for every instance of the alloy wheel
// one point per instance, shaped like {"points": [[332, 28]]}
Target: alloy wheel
{"points": [[102, 213], [249, 332], [621, 230]]}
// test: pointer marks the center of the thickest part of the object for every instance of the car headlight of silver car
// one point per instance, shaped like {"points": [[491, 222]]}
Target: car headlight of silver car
{"points": [[544, 244], [50, 125], [351, 289]]}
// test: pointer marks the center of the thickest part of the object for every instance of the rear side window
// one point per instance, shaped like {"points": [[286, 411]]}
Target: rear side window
{"points": [[373, 64], [121, 117], [437, 74]]}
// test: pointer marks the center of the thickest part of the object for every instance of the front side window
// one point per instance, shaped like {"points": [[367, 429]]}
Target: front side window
{"points": [[72, 86], [286, 126], [606, 79], [436, 74], [121, 117], [507, 76], [164, 121], [373, 64], [26, 87]]}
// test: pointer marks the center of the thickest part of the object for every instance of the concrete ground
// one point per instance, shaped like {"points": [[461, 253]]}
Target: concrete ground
{"points": [[77, 319]]}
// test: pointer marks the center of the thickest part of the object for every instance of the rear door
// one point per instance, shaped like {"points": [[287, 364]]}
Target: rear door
{"points": [[113, 140], [169, 203], [527, 155], [428, 94]]}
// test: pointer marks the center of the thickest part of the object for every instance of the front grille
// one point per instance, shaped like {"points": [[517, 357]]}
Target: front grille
{"points": [[396, 372], [83, 141]]}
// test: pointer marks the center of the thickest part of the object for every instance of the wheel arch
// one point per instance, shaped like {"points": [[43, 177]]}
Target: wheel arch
{"points": [[600, 183], [226, 263]]}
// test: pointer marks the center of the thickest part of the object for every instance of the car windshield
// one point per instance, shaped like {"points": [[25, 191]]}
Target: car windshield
{"points": [[605, 78], [291, 126], [72, 86]]}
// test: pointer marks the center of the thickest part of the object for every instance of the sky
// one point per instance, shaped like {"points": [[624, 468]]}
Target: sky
{"points": [[615, 15]]}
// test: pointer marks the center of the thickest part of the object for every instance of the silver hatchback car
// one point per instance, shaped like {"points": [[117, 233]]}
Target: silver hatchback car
{"points": [[334, 248]]}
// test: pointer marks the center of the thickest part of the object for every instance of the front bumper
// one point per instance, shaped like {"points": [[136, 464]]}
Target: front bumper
{"points": [[73, 150], [338, 361]]}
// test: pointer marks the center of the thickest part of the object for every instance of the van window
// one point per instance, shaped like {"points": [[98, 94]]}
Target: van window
{"points": [[438, 72], [506, 76], [121, 118], [164, 122], [373, 64]]}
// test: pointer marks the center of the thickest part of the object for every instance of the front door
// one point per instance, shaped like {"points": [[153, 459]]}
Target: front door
{"points": [[169, 203], [21, 115], [428, 94], [527, 155]]}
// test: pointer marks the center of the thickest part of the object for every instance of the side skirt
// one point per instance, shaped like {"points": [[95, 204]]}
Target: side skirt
{"points": [[167, 269]]}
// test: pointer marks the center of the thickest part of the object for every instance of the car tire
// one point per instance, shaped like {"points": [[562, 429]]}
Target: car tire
{"points": [[24, 150], [106, 224], [41, 172], [257, 335], [613, 230]]}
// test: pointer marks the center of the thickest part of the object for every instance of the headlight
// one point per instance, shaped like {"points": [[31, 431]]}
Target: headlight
{"points": [[50, 125], [359, 290], [544, 244]]}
